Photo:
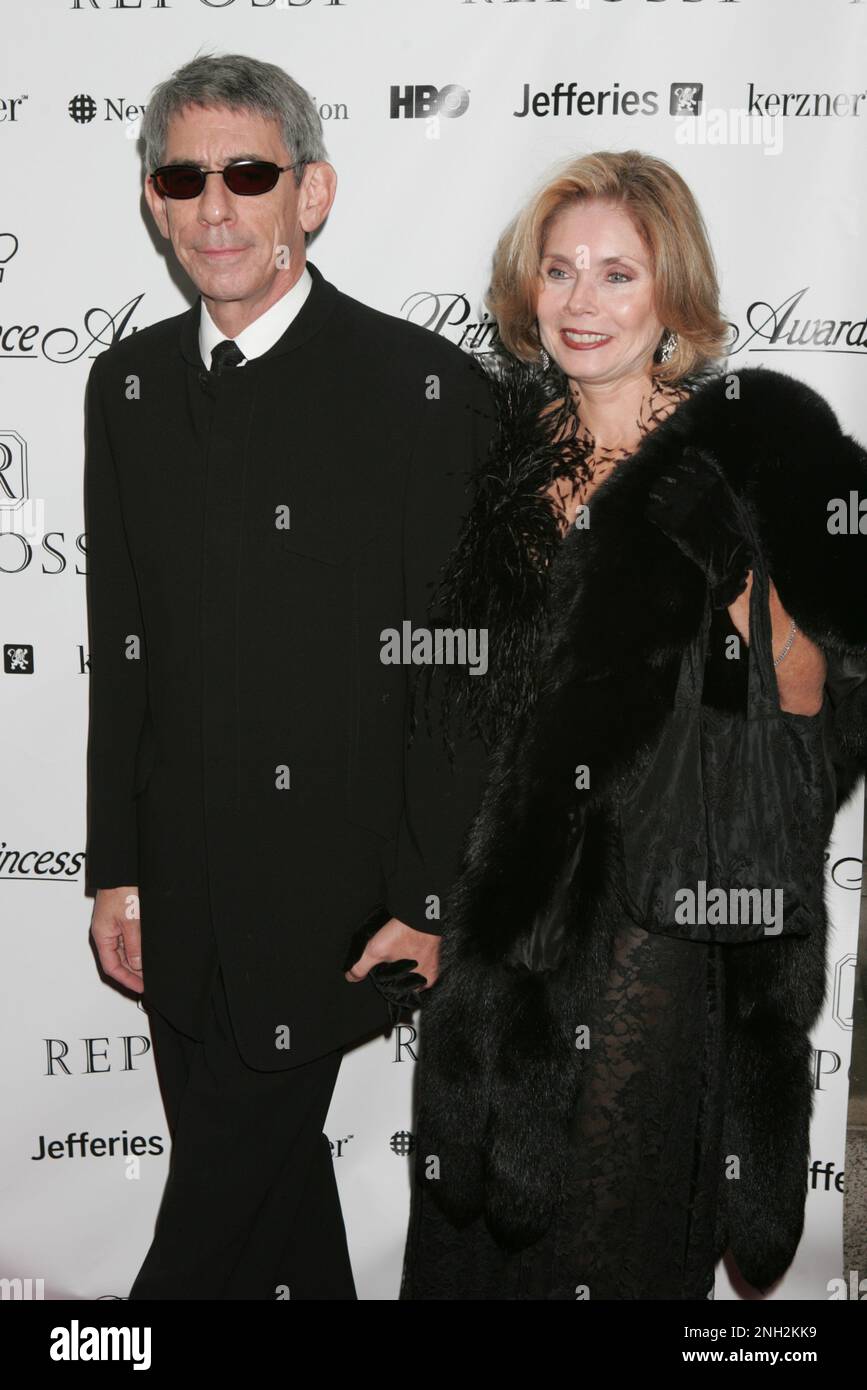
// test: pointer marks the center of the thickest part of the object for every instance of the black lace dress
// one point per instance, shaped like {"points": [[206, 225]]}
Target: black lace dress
{"points": [[640, 1217]]}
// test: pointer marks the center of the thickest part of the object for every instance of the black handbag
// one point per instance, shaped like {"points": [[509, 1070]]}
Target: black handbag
{"points": [[724, 826]]}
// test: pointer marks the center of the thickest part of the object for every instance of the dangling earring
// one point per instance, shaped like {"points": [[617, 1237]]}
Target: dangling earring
{"points": [[545, 360], [669, 343]]}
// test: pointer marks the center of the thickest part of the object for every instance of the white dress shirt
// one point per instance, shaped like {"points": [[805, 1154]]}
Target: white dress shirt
{"points": [[264, 331]]}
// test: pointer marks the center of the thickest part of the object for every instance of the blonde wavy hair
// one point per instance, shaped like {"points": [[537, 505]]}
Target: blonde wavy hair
{"points": [[668, 219]]}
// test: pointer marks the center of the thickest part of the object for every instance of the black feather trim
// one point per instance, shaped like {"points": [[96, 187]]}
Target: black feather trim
{"points": [[497, 575]]}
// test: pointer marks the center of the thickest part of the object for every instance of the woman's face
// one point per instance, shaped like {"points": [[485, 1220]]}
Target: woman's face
{"points": [[595, 307]]}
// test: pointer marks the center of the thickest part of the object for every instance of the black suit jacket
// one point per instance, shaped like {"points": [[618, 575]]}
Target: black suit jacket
{"points": [[249, 539]]}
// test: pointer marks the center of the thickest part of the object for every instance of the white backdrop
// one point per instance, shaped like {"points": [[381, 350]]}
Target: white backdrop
{"points": [[421, 201]]}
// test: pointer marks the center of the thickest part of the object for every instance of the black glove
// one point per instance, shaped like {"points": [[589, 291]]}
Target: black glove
{"points": [[396, 980], [695, 507]]}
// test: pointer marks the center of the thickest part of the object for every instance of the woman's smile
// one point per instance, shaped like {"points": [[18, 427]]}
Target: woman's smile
{"points": [[581, 341]]}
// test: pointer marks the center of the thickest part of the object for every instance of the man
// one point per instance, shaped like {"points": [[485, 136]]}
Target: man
{"points": [[273, 478]]}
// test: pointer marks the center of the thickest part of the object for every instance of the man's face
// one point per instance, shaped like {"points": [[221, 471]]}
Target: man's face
{"points": [[233, 247]]}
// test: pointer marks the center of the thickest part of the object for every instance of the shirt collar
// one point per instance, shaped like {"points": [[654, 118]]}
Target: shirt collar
{"points": [[264, 331]]}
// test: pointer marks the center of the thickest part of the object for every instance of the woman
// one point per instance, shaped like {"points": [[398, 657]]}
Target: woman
{"points": [[605, 1109]]}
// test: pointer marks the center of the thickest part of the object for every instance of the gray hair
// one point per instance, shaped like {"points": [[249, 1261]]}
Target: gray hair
{"points": [[239, 83]]}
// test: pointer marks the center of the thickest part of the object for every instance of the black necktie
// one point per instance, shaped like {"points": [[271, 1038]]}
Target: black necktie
{"points": [[226, 354]]}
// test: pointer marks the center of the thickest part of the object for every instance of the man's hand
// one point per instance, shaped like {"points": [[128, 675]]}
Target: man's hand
{"points": [[116, 931], [395, 941]]}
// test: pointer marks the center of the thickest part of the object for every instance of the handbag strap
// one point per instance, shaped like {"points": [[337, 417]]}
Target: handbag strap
{"points": [[762, 692], [762, 698]]}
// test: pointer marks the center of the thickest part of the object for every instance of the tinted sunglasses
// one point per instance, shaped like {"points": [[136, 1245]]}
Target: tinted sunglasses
{"points": [[247, 177]]}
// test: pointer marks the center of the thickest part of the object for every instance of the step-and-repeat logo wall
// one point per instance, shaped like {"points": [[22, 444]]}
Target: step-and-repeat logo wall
{"points": [[440, 118]]}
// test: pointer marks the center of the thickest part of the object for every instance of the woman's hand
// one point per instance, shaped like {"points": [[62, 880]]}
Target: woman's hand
{"points": [[801, 673]]}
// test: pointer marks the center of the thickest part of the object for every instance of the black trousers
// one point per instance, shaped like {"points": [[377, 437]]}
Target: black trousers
{"points": [[251, 1208]]}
